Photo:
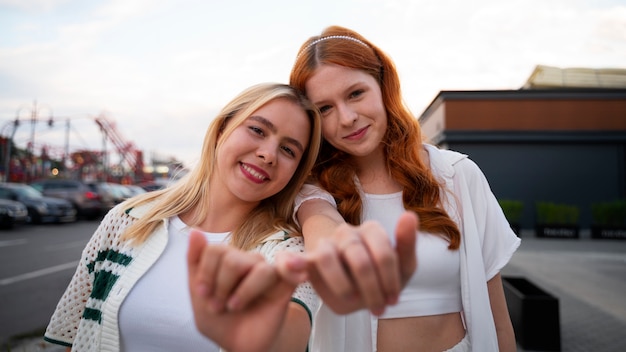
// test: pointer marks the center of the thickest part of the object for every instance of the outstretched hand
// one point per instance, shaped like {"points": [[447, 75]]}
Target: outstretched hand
{"points": [[239, 300], [358, 267]]}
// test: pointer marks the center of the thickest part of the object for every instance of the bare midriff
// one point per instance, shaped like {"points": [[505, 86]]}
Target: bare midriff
{"points": [[427, 333]]}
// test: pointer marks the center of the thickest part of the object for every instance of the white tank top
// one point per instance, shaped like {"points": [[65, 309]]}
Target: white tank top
{"points": [[435, 287]]}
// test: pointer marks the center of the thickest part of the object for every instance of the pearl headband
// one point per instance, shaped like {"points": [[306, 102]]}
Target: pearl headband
{"points": [[345, 37]]}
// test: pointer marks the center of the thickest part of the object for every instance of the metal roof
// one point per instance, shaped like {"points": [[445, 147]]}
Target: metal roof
{"points": [[555, 77]]}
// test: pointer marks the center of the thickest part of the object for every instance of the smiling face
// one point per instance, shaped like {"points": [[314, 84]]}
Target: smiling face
{"points": [[354, 119], [260, 156]]}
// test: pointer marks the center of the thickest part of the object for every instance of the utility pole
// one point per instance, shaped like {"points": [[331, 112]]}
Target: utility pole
{"points": [[34, 115], [66, 153], [7, 154]]}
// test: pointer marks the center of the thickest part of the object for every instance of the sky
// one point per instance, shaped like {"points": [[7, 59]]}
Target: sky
{"points": [[160, 70]]}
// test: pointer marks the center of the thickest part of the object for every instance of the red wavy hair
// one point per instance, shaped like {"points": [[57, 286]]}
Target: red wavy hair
{"points": [[402, 141]]}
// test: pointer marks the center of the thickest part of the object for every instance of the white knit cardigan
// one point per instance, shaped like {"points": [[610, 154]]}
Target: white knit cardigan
{"points": [[86, 317]]}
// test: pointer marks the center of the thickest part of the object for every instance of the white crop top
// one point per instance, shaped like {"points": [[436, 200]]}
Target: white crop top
{"points": [[435, 287]]}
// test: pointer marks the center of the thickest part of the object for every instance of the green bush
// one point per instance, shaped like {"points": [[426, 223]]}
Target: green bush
{"points": [[512, 210], [549, 213], [609, 213]]}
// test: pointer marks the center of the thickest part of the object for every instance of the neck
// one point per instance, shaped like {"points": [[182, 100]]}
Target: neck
{"points": [[224, 211], [373, 174]]}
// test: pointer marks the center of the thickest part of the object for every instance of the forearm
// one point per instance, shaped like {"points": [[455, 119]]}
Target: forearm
{"points": [[504, 327], [506, 336], [319, 220], [506, 340], [317, 229], [295, 331]]}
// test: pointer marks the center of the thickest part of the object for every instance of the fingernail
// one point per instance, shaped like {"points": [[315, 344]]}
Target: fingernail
{"points": [[393, 299], [378, 311], [233, 304], [215, 305], [297, 263], [202, 290]]}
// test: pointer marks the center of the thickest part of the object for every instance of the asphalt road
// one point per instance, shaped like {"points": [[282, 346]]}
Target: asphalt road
{"points": [[36, 265], [587, 276]]}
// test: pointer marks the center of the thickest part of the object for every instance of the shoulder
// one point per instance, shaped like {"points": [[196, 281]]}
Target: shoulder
{"points": [[137, 211], [446, 162], [280, 241], [450, 165], [311, 191], [115, 223], [284, 239], [443, 156]]}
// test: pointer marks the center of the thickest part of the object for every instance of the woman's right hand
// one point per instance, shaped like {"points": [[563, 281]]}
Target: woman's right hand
{"points": [[241, 301], [356, 267]]}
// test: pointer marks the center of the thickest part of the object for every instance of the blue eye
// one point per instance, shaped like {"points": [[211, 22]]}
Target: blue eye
{"points": [[256, 130], [356, 93], [289, 151], [324, 108]]}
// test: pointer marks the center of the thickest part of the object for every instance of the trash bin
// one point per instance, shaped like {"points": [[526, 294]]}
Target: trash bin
{"points": [[534, 314]]}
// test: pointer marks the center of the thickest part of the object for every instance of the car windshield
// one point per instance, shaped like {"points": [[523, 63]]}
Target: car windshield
{"points": [[28, 191]]}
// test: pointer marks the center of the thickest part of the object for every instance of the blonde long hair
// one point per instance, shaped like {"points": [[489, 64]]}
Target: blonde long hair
{"points": [[402, 141], [190, 192]]}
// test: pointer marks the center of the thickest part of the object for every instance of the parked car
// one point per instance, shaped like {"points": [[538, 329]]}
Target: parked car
{"points": [[152, 186], [115, 193], [108, 194], [120, 192], [12, 213], [87, 202], [135, 190], [41, 209]]}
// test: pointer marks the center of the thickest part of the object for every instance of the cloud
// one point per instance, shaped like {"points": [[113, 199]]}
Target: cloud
{"points": [[162, 70], [33, 5]]}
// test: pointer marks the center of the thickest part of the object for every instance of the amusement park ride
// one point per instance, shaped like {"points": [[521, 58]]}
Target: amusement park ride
{"points": [[126, 150], [21, 165]]}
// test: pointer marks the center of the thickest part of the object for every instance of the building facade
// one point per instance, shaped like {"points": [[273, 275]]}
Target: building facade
{"points": [[543, 144]]}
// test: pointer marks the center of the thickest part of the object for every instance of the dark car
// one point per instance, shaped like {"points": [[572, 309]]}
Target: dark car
{"points": [[41, 209], [12, 213], [87, 202]]}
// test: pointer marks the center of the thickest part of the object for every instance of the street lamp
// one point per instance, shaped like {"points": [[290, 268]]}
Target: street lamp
{"points": [[33, 121], [66, 154]]}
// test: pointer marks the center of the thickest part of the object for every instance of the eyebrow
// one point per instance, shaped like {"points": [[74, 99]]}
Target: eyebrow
{"points": [[267, 123], [347, 90]]}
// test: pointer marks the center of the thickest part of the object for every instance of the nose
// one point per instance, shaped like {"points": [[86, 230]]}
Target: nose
{"points": [[347, 115], [267, 153]]}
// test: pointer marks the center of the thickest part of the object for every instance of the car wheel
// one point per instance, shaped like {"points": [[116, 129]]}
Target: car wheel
{"points": [[34, 217]]}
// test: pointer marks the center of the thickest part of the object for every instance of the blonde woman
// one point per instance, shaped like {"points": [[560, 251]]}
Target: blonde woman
{"points": [[131, 288]]}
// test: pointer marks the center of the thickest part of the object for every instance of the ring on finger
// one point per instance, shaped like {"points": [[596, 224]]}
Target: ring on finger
{"points": [[346, 245]]}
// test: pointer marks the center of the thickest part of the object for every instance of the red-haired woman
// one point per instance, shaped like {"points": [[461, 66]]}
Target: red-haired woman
{"points": [[374, 165]]}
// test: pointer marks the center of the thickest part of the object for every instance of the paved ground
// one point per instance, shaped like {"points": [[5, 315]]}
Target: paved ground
{"points": [[588, 277]]}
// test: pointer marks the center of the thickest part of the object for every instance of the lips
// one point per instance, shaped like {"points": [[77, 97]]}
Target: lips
{"points": [[254, 173], [357, 134]]}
